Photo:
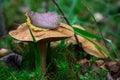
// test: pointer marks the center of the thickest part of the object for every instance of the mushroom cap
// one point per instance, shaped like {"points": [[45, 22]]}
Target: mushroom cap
{"points": [[88, 46], [22, 33]]}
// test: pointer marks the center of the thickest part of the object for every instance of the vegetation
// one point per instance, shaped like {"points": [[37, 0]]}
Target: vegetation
{"points": [[100, 18]]}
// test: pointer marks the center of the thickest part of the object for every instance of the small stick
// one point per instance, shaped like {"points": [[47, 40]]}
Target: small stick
{"points": [[64, 16]]}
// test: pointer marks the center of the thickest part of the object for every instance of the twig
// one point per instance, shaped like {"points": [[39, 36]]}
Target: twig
{"points": [[63, 14], [67, 21]]}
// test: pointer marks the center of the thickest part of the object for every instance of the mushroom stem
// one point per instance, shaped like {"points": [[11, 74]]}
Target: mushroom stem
{"points": [[43, 52]]}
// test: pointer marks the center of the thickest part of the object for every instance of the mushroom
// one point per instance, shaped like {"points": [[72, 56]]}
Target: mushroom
{"points": [[42, 37], [88, 46]]}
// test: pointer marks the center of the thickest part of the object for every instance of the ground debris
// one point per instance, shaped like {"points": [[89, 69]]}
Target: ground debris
{"points": [[114, 70]]}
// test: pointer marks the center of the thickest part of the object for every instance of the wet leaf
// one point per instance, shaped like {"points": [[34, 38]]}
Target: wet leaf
{"points": [[37, 21]]}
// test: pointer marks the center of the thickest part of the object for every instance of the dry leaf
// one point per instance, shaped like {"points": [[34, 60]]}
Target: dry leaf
{"points": [[85, 64], [113, 68], [83, 61], [100, 63]]}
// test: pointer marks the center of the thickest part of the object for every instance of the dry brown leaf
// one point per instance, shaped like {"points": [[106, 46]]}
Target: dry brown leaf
{"points": [[83, 61], [100, 63], [112, 66]]}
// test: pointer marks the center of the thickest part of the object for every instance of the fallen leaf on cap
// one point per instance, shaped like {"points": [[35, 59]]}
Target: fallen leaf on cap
{"points": [[43, 21]]}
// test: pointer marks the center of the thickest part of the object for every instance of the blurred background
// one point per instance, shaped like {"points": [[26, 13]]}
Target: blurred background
{"points": [[106, 13]]}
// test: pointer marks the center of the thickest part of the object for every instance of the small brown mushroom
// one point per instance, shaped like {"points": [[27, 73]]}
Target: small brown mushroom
{"points": [[88, 46], [42, 37]]}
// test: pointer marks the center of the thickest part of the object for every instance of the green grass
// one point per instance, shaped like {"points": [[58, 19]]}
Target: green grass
{"points": [[58, 69]]}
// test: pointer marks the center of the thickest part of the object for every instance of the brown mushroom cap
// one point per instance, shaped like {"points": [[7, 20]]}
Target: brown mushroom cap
{"points": [[88, 46], [23, 34]]}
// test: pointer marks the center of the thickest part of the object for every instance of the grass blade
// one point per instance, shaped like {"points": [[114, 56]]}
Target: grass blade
{"points": [[37, 54], [85, 33]]}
